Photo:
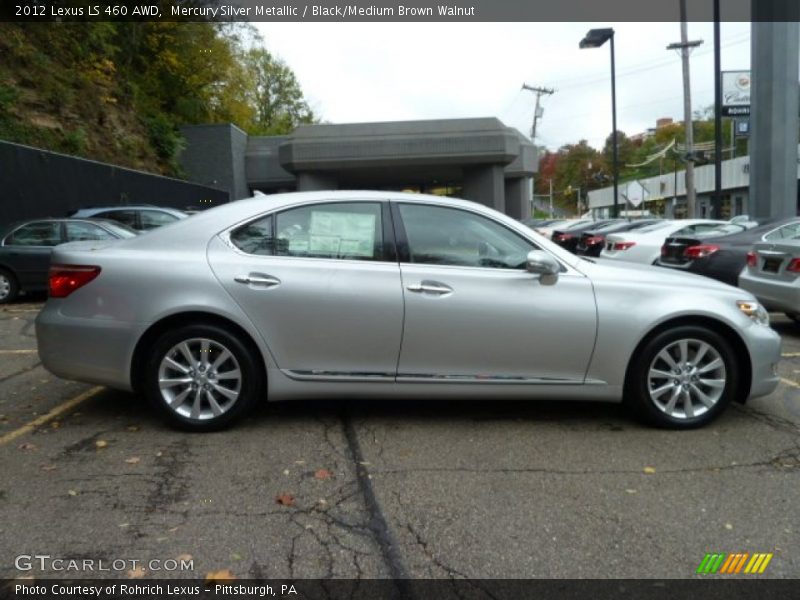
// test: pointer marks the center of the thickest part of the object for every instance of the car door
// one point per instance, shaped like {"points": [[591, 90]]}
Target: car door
{"points": [[321, 282], [472, 311], [28, 250]]}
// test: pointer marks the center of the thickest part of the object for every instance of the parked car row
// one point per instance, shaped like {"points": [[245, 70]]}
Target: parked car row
{"points": [[25, 247]]}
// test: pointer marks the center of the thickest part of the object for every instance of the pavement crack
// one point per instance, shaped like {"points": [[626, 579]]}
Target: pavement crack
{"points": [[377, 522]]}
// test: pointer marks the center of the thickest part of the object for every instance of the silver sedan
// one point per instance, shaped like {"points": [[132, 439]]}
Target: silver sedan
{"points": [[380, 294]]}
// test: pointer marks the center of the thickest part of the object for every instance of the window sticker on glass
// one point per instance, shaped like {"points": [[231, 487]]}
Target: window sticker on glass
{"points": [[342, 234]]}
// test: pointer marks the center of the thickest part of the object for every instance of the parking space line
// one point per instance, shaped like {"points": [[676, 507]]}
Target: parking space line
{"points": [[790, 382], [53, 413], [790, 354], [18, 351]]}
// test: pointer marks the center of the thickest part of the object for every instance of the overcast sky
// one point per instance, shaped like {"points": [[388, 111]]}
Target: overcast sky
{"points": [[357, 72]]}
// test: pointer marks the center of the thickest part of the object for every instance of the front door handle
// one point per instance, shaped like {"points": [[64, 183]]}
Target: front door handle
{"points": [[430, 287], [258, 279]]}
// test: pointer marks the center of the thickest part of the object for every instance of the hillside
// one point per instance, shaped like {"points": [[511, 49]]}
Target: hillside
{"points": [[118, 92]]}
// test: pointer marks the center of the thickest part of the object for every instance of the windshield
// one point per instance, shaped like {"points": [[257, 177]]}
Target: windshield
{"points": [[120, 229], [653, 227]]}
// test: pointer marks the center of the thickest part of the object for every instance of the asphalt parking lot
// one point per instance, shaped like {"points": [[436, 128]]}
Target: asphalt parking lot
{"points": [[346, 489]]}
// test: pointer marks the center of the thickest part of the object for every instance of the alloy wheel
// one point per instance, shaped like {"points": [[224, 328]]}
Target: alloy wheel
{"points": [[199, 379], [5, 286], [686, 378]]}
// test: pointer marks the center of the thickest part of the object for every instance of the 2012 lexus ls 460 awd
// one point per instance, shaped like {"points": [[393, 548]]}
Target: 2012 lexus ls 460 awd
{"points": [[381, 294]]}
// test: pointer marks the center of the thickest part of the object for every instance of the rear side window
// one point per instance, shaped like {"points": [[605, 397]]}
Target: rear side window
{"points": [[787, 231], [77, 232], [126, 217], [43, 233], [255, 237], [343, 230], [152, 219]]}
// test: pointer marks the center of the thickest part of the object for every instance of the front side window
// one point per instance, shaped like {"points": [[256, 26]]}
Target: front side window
{"points": [[448, 236], [343, 230], [43, 233], [78, 232]]}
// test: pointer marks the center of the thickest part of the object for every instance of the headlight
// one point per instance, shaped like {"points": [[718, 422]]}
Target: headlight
{"points": [[754, 310]]}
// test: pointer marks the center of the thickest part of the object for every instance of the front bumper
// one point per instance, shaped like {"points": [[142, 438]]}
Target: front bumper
{"points": [[764, 345], [91, 350]]}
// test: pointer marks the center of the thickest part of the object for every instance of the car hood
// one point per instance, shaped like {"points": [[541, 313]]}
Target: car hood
{"points": [[611, 270]]}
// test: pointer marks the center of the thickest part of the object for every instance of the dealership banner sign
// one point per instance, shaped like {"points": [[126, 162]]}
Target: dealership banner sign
{"points": [[736, 93]]}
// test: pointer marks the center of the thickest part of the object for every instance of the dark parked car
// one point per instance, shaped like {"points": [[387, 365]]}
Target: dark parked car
{"points": [[678, 252], [568, 238], [140, 217], [593, 240], [25, 249], [723, 258]]}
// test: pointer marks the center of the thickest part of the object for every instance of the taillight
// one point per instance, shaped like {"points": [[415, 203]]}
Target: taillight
{"points": [[594, 240], [700, 250], [794, 266], [623, 245], [664, 250], [65, 279], [752, 260], [562, 237]]}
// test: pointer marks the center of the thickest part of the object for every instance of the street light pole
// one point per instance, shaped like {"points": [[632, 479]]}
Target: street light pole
{"points": [[594, 39], [615, 166]]}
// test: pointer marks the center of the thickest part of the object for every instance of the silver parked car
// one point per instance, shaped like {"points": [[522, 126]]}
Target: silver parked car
{"points": [[381, 294], [772, 274]]}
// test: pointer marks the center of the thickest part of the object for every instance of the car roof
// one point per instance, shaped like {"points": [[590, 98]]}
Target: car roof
{"points": [[93, 210]]}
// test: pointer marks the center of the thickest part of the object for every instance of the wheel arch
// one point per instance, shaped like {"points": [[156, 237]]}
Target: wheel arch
{"points": [[720, 327], [179, 320]]}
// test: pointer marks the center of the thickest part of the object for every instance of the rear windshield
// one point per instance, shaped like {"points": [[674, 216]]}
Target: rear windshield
{"points": [[653, 227]]}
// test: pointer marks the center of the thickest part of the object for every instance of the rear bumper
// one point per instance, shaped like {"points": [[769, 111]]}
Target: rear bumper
{"points": [[774, 295], [90, 350]]}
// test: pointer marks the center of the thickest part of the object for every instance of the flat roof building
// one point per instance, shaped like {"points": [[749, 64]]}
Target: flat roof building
{"points": [[478, 159]]}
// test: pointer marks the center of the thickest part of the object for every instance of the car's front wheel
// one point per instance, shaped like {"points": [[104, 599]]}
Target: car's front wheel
{"points": [[682, 378], [202, 377]]}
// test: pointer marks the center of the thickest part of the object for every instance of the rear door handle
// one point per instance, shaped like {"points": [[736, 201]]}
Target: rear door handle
{"points": [[258, 279], [430, 287]]}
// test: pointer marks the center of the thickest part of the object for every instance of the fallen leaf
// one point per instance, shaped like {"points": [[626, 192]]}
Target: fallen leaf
{"points": [[159, 454], [285, 499], [27, 446], [100, 444], [55, 424], [649, 470], [48, 467], [123, 525], [172, 529], [297, 462], [137, 573], [286, 471], [631, 491], [323, 474], [72, 492], [184, 557], [218, 576], [132, 460], [322, 501], [133, 428], [236, 556], [728, 526]]}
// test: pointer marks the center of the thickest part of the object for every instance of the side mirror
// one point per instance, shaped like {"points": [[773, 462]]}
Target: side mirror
{"points": [[541, 263]]}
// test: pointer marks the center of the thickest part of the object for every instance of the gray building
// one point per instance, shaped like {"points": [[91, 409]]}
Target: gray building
{"points": [[478, 159]]}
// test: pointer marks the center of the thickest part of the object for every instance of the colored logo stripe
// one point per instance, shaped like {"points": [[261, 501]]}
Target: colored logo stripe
{"points": [[720, 562]]}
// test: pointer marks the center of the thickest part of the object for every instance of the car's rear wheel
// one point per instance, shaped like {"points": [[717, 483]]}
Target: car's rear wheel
{"points": [[9, 288], [683, 378], [794, 317], [202, 377]]}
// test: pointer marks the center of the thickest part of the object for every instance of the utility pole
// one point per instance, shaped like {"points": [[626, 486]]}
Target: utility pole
{"points": [[685, 47], [538, 110]]}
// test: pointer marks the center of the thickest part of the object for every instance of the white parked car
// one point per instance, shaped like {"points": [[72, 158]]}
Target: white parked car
{"points": [[644, 245]]}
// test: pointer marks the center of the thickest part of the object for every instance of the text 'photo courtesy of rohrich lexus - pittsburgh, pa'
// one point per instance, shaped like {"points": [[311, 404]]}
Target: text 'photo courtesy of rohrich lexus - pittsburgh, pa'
{"points": [[376, 295]]}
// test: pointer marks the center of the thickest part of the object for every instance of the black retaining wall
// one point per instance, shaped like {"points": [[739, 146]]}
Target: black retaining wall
{"points": [[38, 183]]}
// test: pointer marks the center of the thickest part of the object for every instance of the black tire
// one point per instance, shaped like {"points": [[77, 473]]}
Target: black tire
{"points": [[9, 287], [638, 385], [249, 387], [794, 317]]}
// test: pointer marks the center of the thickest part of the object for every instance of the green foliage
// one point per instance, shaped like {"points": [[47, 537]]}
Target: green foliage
{"points": [[120, 91]]}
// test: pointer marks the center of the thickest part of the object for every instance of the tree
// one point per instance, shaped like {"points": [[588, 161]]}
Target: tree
{"points": [[276, 95]]}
